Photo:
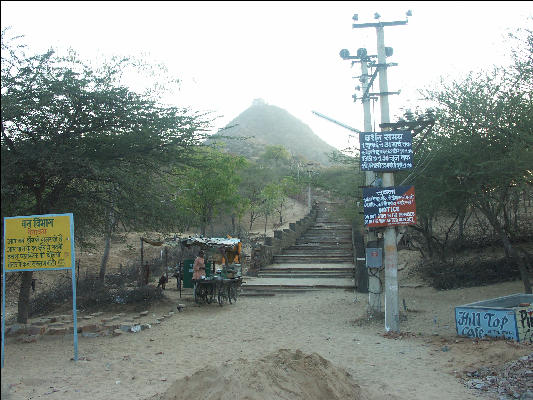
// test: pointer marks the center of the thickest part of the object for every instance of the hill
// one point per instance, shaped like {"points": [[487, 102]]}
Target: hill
{"points": [[264, 125]]}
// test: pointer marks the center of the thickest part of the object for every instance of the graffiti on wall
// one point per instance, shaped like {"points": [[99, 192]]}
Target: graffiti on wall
{"points": [[477, 323], [524, 324]]}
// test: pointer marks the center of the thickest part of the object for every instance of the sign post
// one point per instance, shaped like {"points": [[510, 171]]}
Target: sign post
{"points": [[39, 243]]}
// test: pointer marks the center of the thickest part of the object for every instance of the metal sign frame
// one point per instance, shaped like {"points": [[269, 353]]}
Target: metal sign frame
{"points": [[31, 247]]}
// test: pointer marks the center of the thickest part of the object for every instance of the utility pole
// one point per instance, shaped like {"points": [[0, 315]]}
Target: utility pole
{"points": [[374, 286], [392, 309], [309, 172]]}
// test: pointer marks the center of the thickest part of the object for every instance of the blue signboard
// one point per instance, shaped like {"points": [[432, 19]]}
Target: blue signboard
{"points": [[476, 322], [386, 151]]}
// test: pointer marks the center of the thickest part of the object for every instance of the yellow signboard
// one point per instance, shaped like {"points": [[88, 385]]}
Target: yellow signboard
{"points": [[38, 242]]}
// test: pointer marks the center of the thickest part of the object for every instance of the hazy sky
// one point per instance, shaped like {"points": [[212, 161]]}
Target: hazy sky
{"points": [[287, 53]]}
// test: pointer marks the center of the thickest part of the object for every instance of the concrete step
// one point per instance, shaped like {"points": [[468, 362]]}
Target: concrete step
{"points": [[321, 234], [290, 268], [331, 251], [325, 247], [316, 260], [323, 239], [301, 284], [306, 275]]}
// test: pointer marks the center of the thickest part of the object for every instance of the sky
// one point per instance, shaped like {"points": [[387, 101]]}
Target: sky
{"points": [[226, 54]]}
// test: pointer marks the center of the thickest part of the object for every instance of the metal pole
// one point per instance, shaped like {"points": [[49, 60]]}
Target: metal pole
{"points": [[309, 190], [141, 272], [374, 286], [392, 309]]}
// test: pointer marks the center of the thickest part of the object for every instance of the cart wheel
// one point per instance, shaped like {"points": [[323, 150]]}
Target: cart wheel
{"points": [[209, 297], [234, 292], [221, 296], [195, 293]]}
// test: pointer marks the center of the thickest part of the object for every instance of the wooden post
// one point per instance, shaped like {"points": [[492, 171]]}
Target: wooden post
{"points": [[141, 267]]}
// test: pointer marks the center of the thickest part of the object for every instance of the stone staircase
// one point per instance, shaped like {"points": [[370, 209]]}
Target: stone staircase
{"points": [[321, 258]]}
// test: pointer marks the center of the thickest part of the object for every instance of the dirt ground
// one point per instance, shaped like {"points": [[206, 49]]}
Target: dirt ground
{"points": [[330, 323], [321, 339]]}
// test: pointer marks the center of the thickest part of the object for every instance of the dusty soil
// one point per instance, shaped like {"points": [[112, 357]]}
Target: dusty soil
{"points": [[321, 340], [214, 339]]}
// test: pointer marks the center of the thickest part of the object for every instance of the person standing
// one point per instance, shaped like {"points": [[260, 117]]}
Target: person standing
{"points": [[198, 269]]}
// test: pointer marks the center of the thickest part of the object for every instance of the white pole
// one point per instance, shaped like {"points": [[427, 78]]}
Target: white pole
{"points": [[392, 310], [374, 287]]}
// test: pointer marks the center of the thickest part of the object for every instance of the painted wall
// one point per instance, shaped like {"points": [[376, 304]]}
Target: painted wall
{"points": [[524, 323], [478, 322]]}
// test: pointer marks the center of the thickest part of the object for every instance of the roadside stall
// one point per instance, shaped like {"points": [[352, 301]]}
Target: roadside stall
{"points": [[221, 283]]}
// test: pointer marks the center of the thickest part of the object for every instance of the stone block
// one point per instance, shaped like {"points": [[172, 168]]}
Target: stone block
{"points": [[41, 322], [36, 330], [16, 329], [57, 331], [111, 325], [29, 338], [57, 325], [89, 334], [117, 332], [89, 328], [106, 320], [97, 314], [126, 327], [143, 313]]}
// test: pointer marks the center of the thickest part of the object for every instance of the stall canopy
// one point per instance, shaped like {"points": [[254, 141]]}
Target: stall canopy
{"points": [[210, 242]]}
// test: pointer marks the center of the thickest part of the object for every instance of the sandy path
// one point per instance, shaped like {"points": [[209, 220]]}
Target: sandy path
{"points": [[139, 365]]}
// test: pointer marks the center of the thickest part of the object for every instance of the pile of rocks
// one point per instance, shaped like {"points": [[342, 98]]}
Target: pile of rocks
{"points": [[93, 325], [513, 380]]}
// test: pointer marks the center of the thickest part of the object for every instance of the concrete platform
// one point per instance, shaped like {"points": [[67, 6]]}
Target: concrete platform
{"points": [[297, 283], [309, 266]]}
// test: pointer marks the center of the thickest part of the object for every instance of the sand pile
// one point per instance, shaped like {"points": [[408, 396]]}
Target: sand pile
{"points": [[285, 374]]}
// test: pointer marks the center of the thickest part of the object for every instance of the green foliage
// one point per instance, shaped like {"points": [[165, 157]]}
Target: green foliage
{"points": [[276, 154], [270, 196], [74, 140], [478, 155], [210, 186]]}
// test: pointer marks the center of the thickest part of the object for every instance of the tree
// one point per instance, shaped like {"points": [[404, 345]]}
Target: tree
{"points": [[484, 140], [253, 179], [210, 185], [288, 187], [74, 139], [276, 155], [269, 197]]}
